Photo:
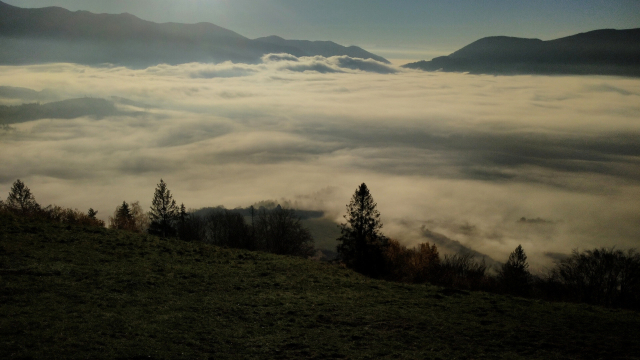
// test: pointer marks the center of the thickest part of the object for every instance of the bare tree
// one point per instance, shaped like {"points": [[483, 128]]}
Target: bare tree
{"points": [[227, 228], [280, 231], [601, 276]]}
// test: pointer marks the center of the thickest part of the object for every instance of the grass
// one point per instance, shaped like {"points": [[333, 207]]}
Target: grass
{"points": [[80, 292]]}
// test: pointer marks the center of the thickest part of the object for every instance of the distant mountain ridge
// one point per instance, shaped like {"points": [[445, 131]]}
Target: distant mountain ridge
{"points": [[54, 34], [323, 48], [598, 52]]}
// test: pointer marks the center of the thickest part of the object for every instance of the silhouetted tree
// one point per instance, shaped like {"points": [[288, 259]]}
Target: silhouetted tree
{"points": [[280, 231], [461, 271], [227, 228], [514, 275], [92, 213], [164, 212], [122, 218], [362, 244], [600, 276], [20, 199], [188, 229]]}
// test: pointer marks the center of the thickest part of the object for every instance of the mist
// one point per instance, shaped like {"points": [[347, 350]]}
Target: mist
{"points": [[549, 162]]}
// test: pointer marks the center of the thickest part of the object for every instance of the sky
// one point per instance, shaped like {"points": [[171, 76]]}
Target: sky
{"points": [[403, 29]]}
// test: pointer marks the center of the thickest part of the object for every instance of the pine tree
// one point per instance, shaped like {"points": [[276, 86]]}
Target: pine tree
{"points": [[514, 274], [164, 212], [363, 245], [183, 225], [92, 213], [122, 218], [20, 199]]}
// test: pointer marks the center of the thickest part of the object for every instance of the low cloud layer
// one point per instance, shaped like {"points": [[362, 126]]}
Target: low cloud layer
{"points": [[279, 63], [462, 156]]}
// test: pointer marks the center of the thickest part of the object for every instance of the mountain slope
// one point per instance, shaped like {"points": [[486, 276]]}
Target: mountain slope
{"points": [[83, 292], [601, 52], [323, 48], [53, 34]]}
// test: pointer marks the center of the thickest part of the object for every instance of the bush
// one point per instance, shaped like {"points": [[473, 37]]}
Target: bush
{"points": [[416, 265], [462, 271], [62, 215]]}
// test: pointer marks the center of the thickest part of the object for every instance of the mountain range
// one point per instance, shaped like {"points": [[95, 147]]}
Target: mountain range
{"points": [[54, 34], [599, 52]]}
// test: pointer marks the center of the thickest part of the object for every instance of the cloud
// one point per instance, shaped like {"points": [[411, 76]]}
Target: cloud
{"points": [[279, 57], [279, 63], [324, 65], [216, 72], [464, 156]]}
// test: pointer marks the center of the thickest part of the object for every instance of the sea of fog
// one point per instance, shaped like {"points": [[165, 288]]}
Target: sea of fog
{"points": [[549, 162]]}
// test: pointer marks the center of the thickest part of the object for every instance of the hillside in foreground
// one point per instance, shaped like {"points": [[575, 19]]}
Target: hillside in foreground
{"points": [[83, 292]]}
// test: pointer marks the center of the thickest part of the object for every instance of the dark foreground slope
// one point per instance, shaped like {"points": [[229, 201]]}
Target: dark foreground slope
{"points": [[53, 34], [74, 292], [599, 52]]}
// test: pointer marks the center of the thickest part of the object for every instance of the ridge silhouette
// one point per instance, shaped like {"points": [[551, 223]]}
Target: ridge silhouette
{"points": [[54, 34], [598, 52]]}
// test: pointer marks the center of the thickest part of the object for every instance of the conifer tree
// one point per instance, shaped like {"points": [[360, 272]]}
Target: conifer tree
{"points": [[164, 212], [183, 225], [20, 198], [122, 218], [92, 213], [363, 245], [514, 274]]}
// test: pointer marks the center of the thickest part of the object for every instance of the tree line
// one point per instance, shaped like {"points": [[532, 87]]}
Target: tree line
{"points": [[277, 230], [602, 276]]}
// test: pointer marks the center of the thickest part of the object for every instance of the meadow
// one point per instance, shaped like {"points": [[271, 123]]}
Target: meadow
{"points": [[90, 292]]}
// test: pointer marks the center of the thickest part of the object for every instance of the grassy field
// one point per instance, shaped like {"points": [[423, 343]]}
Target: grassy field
{"points": [[74, 292]]}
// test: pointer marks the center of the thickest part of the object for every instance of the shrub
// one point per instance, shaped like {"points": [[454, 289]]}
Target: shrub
{"points": [[462, 271], [415, 265]]}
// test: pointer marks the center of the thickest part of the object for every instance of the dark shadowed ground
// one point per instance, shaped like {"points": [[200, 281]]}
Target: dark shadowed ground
{"points": [[74, 292]]}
